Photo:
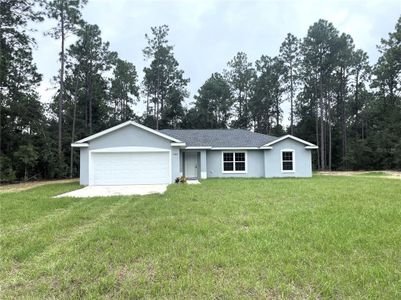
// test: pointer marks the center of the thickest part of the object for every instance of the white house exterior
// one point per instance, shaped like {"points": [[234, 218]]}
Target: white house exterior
{"points": [[131, 153]]}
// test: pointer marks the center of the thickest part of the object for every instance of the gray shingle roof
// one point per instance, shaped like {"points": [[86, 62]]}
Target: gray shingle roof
{"points": [[220, 137]]}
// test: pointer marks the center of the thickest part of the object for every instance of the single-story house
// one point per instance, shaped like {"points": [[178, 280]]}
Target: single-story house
{"points": [[131, 153]]}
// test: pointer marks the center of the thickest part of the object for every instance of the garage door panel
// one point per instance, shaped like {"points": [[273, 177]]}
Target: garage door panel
{"points": [[130, 168]]}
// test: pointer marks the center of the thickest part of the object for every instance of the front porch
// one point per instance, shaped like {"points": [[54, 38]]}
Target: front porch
{"points": [[194, 164]]}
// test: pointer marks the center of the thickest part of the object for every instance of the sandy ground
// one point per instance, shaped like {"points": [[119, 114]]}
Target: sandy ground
{"points": [[380, 174], [6, 188]]}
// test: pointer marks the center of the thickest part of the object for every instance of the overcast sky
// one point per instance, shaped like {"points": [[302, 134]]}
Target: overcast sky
{"points": [[208, 33]]}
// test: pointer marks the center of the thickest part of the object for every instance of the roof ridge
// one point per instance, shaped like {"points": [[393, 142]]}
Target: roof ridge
{"points": [[221, 129], [183, 129]]}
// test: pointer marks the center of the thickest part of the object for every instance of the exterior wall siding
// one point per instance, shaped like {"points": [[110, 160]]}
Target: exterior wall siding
{"points": [[182, 162], [255, 164], [83, 166], [175, 163], [203, 164], [303, 160]]}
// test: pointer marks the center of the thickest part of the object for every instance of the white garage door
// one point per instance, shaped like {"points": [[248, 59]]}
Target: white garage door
{"points": [[130, 168]]}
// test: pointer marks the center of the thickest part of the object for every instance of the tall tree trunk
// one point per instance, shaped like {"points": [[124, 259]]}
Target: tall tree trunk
{"points": [[2, 72], [90, 112], [316, 108], [73, 138], [86, 103], [74, 115], [1, 125], [362, 129], [240, 109], [343, 118], [277, 112], [292, 100], [356, 100], [157, 115], [328, 112], [317, 138], [61, 96], [160, 99], [116, 110], [322, 132], [125, 114], [90, 99]]}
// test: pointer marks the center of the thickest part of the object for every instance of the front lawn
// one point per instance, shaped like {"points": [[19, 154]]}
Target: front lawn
{"points": [[325, 237]]}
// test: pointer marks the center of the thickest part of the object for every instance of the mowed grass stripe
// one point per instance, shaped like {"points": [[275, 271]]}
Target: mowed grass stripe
{"points": [[28, 206], [54, 215], [64, 244], [325, 237], [33, 241]]}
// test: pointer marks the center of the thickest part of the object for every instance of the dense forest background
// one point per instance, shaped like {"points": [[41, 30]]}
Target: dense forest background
{"points": [[349, 108]]}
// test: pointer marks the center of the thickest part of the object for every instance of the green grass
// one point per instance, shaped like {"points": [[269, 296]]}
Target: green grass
{"points": [[325, 237]]}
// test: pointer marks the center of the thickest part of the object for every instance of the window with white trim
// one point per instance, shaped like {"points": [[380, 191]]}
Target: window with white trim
{"points": [[287, 161], [234, 162]]}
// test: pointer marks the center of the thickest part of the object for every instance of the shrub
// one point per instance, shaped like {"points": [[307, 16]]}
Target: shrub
{"points": [[7, 173], [181, 179]]}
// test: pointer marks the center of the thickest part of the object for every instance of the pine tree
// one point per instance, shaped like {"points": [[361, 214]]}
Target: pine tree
{"points": [[68, 16], [22, 121], [86, 87], [319, 60], [267, 96], [164, 83], [213, 103], [291, 58], [124, 90], [385, 109], [240, 76], [90, 58]]}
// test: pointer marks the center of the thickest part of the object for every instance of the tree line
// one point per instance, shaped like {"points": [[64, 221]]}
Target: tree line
{"points": [[338, 100]]}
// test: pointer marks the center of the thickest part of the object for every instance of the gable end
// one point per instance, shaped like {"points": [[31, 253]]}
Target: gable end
{"points": [[122, 125]]}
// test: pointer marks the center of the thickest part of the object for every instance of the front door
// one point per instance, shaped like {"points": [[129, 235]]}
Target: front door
{"points": [[191, 164]]}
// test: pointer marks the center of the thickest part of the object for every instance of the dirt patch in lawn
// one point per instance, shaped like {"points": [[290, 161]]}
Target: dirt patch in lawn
{"points": [[375, 174], [9, 188]]}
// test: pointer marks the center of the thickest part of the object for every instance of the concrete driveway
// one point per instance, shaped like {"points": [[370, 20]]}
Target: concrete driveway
{"points": [[116, 190]]}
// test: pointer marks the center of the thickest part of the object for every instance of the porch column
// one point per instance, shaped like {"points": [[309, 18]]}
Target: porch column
{"points": [[203, 164]]}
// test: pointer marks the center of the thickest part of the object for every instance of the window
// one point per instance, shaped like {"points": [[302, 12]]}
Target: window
{"points": [[287, 160], [234, 162]]}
